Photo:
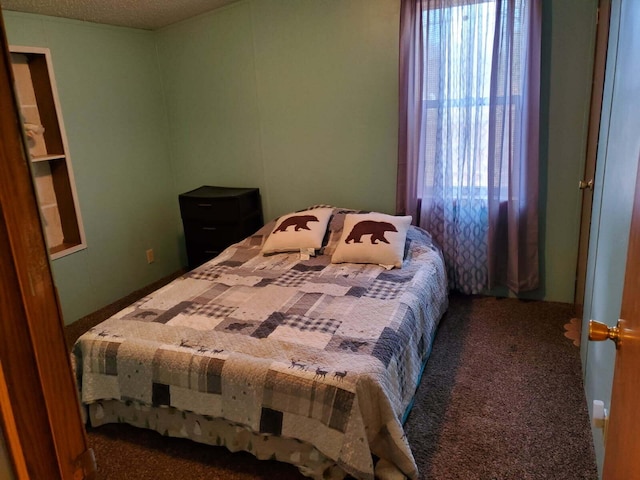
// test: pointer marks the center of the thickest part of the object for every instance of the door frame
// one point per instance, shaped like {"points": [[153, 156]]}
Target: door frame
{"points": [[41, 401]]}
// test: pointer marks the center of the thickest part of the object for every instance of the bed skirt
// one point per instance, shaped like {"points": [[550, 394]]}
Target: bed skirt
{"points": [[172, 422]]}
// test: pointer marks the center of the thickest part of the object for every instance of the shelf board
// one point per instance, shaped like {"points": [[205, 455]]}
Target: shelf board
{"points": [[46, 158], [59, 248], [64, 249]]}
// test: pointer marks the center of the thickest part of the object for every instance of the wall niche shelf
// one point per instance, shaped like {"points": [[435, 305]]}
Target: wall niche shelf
{"points": [[46, 158], [47, 145]]}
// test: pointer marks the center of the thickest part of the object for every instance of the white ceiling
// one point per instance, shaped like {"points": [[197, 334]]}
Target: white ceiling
{"points": [[145, 14]]}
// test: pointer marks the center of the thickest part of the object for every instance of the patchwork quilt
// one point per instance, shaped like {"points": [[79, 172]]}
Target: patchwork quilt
{"points": [[328, 354]]}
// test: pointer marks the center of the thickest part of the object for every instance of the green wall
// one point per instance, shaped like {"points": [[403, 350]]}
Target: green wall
{"points": [[296, 97], [113, 110]]}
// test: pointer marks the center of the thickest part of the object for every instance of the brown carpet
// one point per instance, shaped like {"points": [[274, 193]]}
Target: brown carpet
{"points": [[501, 398]]}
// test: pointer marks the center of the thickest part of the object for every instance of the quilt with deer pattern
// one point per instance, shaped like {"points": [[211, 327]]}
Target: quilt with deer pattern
{"points": [[328, 354]]}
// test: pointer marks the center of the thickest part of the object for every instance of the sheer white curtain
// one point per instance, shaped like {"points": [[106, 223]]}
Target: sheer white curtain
{"points": [[468, 150]]}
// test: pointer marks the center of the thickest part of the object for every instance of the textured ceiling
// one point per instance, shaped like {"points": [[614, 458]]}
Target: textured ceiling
{"points": [[146, 14]]}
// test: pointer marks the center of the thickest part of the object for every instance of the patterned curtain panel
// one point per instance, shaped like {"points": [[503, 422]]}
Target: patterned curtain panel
{"points": [[461, 227], [468, 137]]}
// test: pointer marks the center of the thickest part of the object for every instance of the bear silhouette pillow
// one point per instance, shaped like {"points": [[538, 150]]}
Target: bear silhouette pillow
{"points": [[372, 238], [298, 231]]}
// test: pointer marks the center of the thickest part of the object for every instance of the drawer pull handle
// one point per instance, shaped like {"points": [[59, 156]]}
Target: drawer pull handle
{"points": [[204, 204], [209, 228]]}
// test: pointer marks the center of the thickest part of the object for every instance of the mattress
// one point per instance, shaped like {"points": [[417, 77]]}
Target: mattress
{"points": [[321, 360]]}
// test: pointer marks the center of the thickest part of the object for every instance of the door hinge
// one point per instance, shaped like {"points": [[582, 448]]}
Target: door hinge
{"points": [[85, 466]]}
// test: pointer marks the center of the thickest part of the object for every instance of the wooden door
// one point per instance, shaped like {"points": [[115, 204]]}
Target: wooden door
{"points": [[623, 439], [48, 438], [595, 111]]}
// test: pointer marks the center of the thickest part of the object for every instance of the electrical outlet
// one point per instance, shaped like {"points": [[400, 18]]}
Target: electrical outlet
{"points": [[150, 257]]}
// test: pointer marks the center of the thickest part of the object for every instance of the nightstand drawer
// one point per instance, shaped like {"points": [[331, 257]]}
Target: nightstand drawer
{"points": [[217, 210], [211, 205], [197, 255], [217, 235]]}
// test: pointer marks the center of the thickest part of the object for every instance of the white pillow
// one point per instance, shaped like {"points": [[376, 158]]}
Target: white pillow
{"points": [[298, 231], [372, 238]]}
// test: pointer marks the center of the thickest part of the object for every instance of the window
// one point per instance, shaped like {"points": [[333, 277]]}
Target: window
{"points": [[469, 135], [458, 46]]}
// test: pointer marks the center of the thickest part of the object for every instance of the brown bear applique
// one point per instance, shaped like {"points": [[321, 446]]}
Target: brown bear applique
{"points": [[370, 227], [300, 222]]}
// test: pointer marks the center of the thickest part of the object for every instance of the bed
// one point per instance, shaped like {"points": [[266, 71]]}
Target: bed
{"points": [[287, 356]]}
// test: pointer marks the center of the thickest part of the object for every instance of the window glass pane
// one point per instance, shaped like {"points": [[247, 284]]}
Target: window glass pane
{"points": [[458, 48]]}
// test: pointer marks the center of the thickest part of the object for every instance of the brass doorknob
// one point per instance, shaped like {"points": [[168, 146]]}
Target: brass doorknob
{"points": [[582, 184], [599, 331]]}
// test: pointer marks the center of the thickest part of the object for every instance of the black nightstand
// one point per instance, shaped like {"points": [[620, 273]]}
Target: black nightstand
{"points": [[215, 217]]}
